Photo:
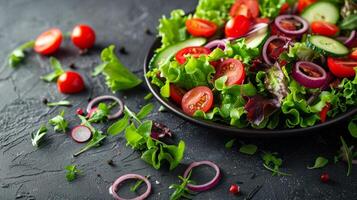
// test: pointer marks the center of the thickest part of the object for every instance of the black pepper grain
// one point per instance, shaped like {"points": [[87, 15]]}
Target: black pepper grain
{"points": [[123, 50], [148, 31], [44, 100]]}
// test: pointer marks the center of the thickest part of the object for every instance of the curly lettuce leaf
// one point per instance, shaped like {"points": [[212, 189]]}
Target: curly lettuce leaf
{"points": [[270, 8], [239, 50], [216, 11], [300, 51], [172, 30]]}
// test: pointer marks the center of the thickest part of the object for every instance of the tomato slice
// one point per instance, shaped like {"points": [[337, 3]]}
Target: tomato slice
{"points": [[302, 4], [198, 98], [194, 51], [342, 67], [237, 26], [323, 113], [233, 69], [262, 20], [353, 55], [70, 83], [324, 28], [247, 8], [48, 42], [201, 27], [176, 93]]}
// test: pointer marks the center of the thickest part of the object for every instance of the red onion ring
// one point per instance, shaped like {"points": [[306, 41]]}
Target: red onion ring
{"points": [[114, 188], [305, 25], [265, 47], [105, 97], [216, 44], [254, 29], [208, 185], [351, 41], [308, 81]]}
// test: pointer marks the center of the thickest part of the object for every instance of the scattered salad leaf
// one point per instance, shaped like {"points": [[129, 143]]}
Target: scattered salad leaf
{"points": [[72, 172], [347, 153], [214, 10], [352, 127], [59, 123], [148, 96], [230, 143], [117, 76], [57, 71], [18, 54], [135, 187], [119, 126], [270, 8], [36, 137], [100, 114], [249, 149], [59, 103], [181, 191], [273, 163], [320, 162]]}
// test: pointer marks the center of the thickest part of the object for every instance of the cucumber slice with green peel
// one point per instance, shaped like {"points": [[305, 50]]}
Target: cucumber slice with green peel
{"points": [[258, 38], [321, 11], [327, 45], [165, 55]]}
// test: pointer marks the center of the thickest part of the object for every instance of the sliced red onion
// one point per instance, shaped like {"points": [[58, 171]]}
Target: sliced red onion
{"points": [[114, 188], [81, 134], [216, 44], [265, 47], [105, 97], [351, 41], [159, 130], [208, 185], [305, 25], [309, 81], [254, 29]]}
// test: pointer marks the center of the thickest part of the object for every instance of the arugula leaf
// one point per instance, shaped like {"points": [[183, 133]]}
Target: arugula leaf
{"points": [[347, 153], [230, 143], [57, 71], [37, 137], [117, 76], [72, 172], [249, 149], [145, 110], [59, 123], [100, 114], [148, 96], [352, 127], [119, 126], [320, 162], [216, 11], [59, 103], [181, 191], [270, 8], [172, 30], [273, 163], [18, 54]]}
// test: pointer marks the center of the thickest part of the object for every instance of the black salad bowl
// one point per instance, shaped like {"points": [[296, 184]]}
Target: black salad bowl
{"points": [[234, 131]]}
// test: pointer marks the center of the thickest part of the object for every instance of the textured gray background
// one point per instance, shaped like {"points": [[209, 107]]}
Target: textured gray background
{"points": [[27, 173]]}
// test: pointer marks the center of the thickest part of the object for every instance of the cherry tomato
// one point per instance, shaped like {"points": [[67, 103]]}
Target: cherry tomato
{"points": [[176, 93], [302, 4], [237, 26], [325, 177], [341, 67], [233, 69], [70, 83], [248, 8], [48, 42], [198, 98], [201, 27], [83, 36], [353, 55], [324, 28], [284, 8], [323, 113], [194, 51], [234, 189]]}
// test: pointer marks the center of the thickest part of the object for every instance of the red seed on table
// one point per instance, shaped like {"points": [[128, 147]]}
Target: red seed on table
{"points": [[79, 111], [234, 189], [324, 177]]}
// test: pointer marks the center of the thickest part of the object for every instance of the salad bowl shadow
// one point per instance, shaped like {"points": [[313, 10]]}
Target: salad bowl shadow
{"points": [[234, 131]]}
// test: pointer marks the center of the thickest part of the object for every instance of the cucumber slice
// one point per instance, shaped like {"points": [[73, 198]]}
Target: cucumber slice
{"points": [[165, 55], [327, 45], [321, 11], [258, 38]]}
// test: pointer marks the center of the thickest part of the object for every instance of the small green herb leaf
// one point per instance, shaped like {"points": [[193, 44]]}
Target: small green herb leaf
{"points": [[181, 191], [57, 71], [352, 127], [99, 69], [59, 123], [230, 143], [249, 149], [148, 96], [59, 103], [18, 54], [347, 154], [119, 126], [320, 162], [36, 137], [72, 172], [273, 163], [100, 114], [145, 110]]}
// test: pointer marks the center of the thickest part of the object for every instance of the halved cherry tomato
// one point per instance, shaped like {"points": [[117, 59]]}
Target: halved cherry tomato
{"points": [[176, 93], [198, 98], [70, 83], [248, 8], [48, 42], [324, 28], [262, 20], [237, 26], [83, 36], [285, 7], [353, 55], [342, 67], [201, 27], [302, 4], [323, 113], [194, 51], [233, 69]]}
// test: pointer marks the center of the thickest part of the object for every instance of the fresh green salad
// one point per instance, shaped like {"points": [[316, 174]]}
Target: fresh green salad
{"points": [[261, 64]]}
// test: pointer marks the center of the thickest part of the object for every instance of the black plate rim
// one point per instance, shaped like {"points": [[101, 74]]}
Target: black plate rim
{"points": [[231, 130]]}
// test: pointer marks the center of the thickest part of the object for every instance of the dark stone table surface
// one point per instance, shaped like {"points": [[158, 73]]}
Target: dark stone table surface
{"points": [[30, 173]]}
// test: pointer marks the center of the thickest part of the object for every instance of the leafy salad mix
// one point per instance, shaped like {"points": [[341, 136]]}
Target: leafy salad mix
{"points": [[264, 64]]}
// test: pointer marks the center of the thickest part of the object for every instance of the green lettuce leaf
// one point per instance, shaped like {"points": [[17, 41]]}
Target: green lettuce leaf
{"points": [[300, 51], [270, 8], [239, 50], [216, 11]]}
